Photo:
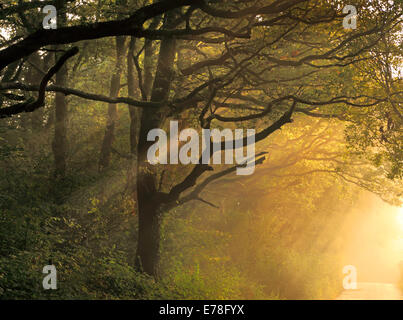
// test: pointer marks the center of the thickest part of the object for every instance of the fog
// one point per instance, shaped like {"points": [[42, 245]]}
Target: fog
{"points": [[375, 240]]}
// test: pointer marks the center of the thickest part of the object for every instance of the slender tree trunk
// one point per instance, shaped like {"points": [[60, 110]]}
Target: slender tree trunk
{"points": [[112, 109], [133, 136], [148, 59], [131, 88], [150, 201], [60, 137], [135, 113]]}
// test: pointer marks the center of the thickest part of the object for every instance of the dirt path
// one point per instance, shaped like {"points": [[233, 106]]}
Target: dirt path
{"points": [[372, 291]]}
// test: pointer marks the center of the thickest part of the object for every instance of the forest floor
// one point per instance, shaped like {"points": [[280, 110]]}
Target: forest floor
{"points": [[372, 291]]}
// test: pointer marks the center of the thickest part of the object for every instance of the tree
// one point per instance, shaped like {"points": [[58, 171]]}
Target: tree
{"points": [[112, 111], [240, 64], [60, 138]]}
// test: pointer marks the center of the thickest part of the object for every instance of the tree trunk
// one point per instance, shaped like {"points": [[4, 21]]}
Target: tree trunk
{"points": [[150, 201], [133, 136], [148, 244], [112, 109], [60, 138], [133, 112], [149, 59]]}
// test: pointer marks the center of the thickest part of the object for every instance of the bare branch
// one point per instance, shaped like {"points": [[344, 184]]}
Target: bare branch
{"points": [[194, 195], [30, 106]]}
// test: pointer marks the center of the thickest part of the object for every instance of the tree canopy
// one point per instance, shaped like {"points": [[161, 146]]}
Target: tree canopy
{"points": [[325, 101]]}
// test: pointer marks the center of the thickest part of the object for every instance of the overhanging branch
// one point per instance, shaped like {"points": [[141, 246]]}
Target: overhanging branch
{"points": [[30, 106]]}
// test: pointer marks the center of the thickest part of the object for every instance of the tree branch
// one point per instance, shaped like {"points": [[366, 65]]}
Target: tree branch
{"points": [[130, 26], [30, 106], [194, 195]]}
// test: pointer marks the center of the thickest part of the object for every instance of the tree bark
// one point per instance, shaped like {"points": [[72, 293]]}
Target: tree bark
{"points": [[150, 201], [109, 137]]}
